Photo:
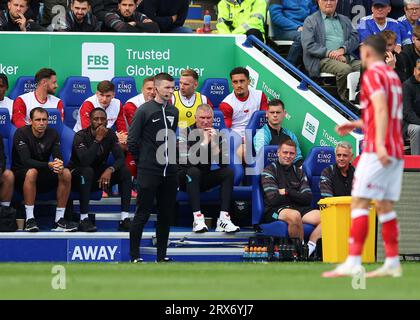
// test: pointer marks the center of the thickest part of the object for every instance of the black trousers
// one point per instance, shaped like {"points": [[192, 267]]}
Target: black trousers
{"points": [[85, 180], [164, 189], [194, 181]]}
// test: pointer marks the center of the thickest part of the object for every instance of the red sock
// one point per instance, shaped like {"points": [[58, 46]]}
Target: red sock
{"points": [[358, 233], [390, 237]]}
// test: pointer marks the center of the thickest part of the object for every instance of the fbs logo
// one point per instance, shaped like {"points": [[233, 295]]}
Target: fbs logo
{"points": [[310, 127], [253, 77], [98, 61]]}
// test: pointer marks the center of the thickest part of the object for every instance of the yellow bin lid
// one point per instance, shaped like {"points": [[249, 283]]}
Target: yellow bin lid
{"points": [[335, 200]]}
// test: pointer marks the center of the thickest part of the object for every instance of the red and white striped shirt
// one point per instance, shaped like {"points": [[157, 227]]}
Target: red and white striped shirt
{"points": [[381, 78], [23, 105]]}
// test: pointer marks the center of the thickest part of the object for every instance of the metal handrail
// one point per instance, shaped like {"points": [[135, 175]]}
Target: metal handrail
{"points": [[252, 40]]}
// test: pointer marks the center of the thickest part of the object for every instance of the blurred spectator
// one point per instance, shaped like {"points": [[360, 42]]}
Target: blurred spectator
{"points": [[354, 9], [328, 40], [54, 13], [242, 17], [14, 18], [392, 58], [127, 19], [33, 10], [147, 94], [101, 7], [378, 22], [272, 133], [397, 9], [79, 18], [103, 98], [411, 109], [186, 99], [337, 179], [411, 52], [43, 96], [409, 20], [287, 19], [5, 102], [170, 15]]}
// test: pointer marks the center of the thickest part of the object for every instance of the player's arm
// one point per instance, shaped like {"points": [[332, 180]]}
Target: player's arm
{"points": [[380, 107], [84, 112], [227, 113], [345, 128], [19, 113]]}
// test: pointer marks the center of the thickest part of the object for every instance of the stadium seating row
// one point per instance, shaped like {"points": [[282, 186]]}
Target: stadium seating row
{"points": [[77, 89]]}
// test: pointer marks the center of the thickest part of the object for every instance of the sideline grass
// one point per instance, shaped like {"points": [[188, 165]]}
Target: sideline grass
{"points": [[210, 281]]}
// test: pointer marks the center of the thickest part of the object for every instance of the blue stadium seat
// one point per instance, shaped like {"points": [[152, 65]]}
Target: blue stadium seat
{"points": [[276, 228], [125, 88], [7, 134], [74, 92], [218, 120], [216, 89], [317, 160], [176, 83], [22, 85], [257, 121]]}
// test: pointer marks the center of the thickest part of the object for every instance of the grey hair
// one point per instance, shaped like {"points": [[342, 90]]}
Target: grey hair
{"points": [[345, 145], [204, 107], [407, 2]]}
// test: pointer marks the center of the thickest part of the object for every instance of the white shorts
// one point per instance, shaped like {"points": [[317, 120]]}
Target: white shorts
{"points": [[374, 181]]}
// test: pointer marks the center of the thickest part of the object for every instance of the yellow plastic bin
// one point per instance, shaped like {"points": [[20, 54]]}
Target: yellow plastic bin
{"points": [[336, 221]]}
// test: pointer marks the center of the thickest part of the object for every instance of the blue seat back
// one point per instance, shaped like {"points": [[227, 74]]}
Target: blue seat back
{"points": [[216, 89], [267, 155], [22, 85], [6, 133], [218, 120], [317, 160], [125, 88], [257, 121], [73, 93], [176, 83]]}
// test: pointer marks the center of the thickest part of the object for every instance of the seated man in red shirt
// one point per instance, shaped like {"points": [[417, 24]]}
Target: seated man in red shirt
{"points": [[43, 96]]}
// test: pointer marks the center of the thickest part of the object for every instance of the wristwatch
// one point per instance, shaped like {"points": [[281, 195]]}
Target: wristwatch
{"points": [[112, 169]]}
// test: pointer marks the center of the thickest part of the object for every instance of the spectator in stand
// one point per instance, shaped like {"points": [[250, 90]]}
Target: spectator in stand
{"points": [[287, 196], [46, 85], [130, 108], [409, 20], [239, 105], [378, 22], [91, 171], [102, 7], [394, 59], [54, 13], [79, 18], [411, 109], [272, 133], [337, 179], [32, 12], [5, 102], [287, 19], [411, 52], [196, 176], [170, 15], [15, 19], [328, 41], [354, 9], [127, 19], [397, 9], [34, 146], [242, 17], [187, 99], [147, 94]]}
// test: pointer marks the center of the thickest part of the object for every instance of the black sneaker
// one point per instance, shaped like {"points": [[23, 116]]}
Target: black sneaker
{"points": [[166, 259], [31, 225], [86, 226], [137, 260], [65, 226], [124, 225]]}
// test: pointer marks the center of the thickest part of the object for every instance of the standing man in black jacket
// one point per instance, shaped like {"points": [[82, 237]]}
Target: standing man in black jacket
{"points": [[152, 142], [170, 15], [91, 171]]}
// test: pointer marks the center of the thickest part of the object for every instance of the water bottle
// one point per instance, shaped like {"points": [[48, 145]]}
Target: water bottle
{"points": [[207, 22]]}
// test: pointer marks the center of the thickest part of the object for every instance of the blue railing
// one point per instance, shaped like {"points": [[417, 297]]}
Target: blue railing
{"points": [[305, 80]]}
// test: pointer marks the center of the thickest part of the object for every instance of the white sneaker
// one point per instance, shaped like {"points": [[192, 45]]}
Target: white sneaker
{"points": [[226, 225], [199, 226], [343, 270], [386, 271]]}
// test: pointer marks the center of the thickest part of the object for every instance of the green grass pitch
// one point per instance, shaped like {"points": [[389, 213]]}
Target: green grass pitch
{"points": [[273, 281]]}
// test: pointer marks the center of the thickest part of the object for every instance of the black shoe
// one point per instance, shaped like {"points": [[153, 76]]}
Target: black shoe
{"points": [[137, 260], [166, 259], [65, 226], [124, 225], [31, 225], [86, 226]]}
